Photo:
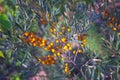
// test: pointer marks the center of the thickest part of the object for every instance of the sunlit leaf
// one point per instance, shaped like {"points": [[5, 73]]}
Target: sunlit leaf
{"points": [[1, 54]]}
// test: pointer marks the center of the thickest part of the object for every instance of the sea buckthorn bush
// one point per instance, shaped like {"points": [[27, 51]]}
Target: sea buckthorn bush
{"points": [[59, 40]]}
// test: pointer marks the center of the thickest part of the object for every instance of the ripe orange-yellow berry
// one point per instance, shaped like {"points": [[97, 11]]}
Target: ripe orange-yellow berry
{"points": [[26, 33], [70, 48], [58, 54], [119, 33], [31, 34], [110, 24], [80, 38], [51, 44], [114, 29], [84, 41], [64, 39], [68, 44], [63, 27], [60, 33], [34, 44], [82, 45], [54, 30], [43, 62], [74, 52], [43, 44], [65, 47], [57, 41], [40, 40], [33, 39], [46, 48], [66, 70], [66, 64], [113, 19], [53, 50], [54, 55], [69, 30], [80, 51], [51, 30]]}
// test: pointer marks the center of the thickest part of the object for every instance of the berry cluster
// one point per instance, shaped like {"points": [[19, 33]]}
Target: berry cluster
{"points": [[66, 69], [112, 21], [64, 40], [106, 13], [29, 37], [47, 60], [58, 48]]}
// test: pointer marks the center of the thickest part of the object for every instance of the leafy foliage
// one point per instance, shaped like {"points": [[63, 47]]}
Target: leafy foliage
{"points": [[87, 29]]}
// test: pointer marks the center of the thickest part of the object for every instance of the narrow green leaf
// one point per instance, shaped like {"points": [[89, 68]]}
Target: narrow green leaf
{"points": [[17, 78], [1, 54], [4, 22]]}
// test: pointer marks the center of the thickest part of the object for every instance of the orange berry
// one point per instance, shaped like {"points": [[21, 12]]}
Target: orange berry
{"points": [[110, 24], [26, 33], [39, 60], [43, 62], [63, 27], [60, 33], [54, 55], [43, 21], [84, 41], [43, 44], [57, 41], [54, 30], [68, 44], [64, 39], [74, 52], [51, 44], [114, 29], [82, 45], [66, 70], [119, 33], [65, 47], [46, 49], [43, 41], [40, 45], [70, 48], [34, 44], [58, 54], [33, 39], [80, 51], [53, 50], [31, 35], [69, 30], [85, 36], [80, 38], [113, 19], [57, 48], [40, 40], [51, 30], [49, 47], [66, 64]]}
